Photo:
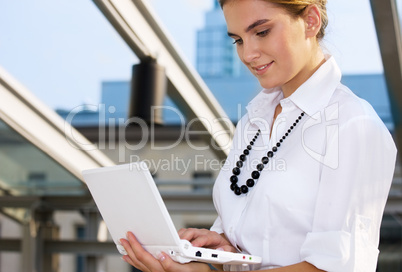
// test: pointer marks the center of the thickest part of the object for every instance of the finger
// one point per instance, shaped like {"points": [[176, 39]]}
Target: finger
{"points": [[228, 249], [204, 238], [186, 234], [190, 234], [143, 256], [128, 260], [181, 231], [202, 241], [131, 257], [167, 263]]}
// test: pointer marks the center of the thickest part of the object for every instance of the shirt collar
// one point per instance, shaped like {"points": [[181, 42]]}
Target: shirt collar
{"points": [[260, 107], [315, 93], [311, 96]]}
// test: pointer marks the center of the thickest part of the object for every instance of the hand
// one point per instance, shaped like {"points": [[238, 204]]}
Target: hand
{"points": [[206, 238], [141, 259]]}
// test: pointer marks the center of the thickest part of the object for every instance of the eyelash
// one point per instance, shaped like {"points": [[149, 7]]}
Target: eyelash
{"points": [[263, 33], [237, 41], [259, 34]]}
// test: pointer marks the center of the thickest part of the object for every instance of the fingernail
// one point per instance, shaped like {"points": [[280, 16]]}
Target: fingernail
{"points": [[161, 257], [220, 249]]}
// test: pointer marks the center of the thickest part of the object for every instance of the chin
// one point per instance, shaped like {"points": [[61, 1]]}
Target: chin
{"points": [[267, 85]]}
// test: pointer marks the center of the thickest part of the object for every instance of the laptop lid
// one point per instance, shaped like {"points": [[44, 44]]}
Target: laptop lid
{"points": [[126, 195], [128, 200]]}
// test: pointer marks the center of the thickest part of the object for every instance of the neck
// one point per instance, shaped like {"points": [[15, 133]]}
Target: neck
{"points": [[306, 72]]}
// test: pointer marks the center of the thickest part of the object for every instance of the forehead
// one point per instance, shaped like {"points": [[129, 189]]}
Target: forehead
{"points": [[242, 13]]}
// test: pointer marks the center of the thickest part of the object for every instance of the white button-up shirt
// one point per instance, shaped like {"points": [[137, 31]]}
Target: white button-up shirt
{"points": [[321, 198]]}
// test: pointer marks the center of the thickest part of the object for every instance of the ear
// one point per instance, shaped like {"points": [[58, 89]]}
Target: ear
{"points": [[312, 19]]}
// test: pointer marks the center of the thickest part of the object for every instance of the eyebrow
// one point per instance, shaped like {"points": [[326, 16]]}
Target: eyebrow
{"points": [[250, 27]]}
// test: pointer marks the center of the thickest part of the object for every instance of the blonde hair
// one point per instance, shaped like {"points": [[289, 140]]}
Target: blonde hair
{"points": [[297, 7]]}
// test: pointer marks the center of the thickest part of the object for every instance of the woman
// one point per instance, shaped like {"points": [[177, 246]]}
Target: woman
{"points": [[311, 164]]}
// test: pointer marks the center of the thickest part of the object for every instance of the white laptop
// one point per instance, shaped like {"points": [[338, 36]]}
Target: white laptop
{"points": [[128, 200]]}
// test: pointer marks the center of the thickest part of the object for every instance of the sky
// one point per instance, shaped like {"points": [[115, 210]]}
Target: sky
{"points": [[62, 50]]}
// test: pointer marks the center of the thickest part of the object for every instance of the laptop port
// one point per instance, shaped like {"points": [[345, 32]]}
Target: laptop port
{"points": [[214, 255], [198, 254]]}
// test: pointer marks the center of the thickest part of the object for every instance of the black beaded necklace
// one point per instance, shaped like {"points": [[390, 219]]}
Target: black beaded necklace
{"points": [[256, 174]]}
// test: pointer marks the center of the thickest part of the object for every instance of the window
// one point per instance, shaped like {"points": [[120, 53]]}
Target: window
{"points": [[203, 181]]}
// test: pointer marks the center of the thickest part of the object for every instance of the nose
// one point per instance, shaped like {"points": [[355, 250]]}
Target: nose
{"points": [[250, 52]]}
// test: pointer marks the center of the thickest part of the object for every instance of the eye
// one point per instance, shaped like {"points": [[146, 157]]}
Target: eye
{"points": [[238, 41], [263, 33]]}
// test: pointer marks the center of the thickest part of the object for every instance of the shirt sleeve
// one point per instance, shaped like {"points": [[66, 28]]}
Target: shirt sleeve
{"points": [[351, 198], [217, 226]]}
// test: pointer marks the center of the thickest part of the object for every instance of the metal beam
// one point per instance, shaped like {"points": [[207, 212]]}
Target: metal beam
{"points": [[139, 27], [10, 245], [390, 41], [175, 201], [91, 247], [45, 129]]}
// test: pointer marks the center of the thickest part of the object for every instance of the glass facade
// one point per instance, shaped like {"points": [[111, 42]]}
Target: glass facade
{"points": [[27, 171], [214, 52]]}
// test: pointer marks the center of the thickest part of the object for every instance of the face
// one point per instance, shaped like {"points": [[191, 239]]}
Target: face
{"points": [[270, 42]]}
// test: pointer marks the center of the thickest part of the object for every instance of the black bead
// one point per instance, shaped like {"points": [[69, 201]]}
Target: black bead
{"points": [[250, 182], [244, 189], [236, 171], [233, 186], [259, 130], [265, 160], [255, 174]]}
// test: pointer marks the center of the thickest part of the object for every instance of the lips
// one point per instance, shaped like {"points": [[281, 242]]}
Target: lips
{"points": [[262, 68]]}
